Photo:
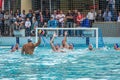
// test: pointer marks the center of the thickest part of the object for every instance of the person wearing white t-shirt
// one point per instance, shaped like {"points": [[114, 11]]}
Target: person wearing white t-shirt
{"points": [[27, 27], [91, 16], [61, 18], [118, 18]]}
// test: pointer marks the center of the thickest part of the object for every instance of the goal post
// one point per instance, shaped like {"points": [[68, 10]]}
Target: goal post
{"points": [[72, 29]]}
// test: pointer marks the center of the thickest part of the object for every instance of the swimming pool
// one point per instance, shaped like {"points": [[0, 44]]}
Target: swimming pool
{"points": [[79, 64]]}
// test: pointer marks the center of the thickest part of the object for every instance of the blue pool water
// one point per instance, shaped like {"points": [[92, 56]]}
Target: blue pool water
{"points": [[79, 64]]}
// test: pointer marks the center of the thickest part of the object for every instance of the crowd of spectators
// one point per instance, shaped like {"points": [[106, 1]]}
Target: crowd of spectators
{"points": [[14, 21]]}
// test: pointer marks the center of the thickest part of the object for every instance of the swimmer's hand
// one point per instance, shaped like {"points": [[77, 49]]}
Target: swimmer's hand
{"points": [[54, 35], [65, 33]]}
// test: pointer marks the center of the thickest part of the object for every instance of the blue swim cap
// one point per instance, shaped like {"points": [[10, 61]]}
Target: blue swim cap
{"points": [[117, 45], [29, 40]]}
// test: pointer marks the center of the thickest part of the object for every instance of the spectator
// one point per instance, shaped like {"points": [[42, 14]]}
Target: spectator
{"points": [[107, 15], [34, 26], [118, 18], [99, 16], [27, 27], [61, 18], [1, 23], [6, 23], [52, 23], [69, 20], [11, 19], [23, 15], [46, 15], [54, 15], [19, 23], [29, 15], [91, 16], [79, 18], [40, 19]]}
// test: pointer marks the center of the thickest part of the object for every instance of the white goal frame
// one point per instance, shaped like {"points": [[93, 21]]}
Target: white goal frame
{"points": [[96, 29]]}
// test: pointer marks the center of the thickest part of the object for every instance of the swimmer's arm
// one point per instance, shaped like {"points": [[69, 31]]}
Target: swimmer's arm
{"points": [[22, 50], [37, 44], [65, 38], [51, 44]]}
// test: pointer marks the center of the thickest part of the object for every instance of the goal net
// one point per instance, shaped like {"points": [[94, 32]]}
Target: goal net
{"points": [[76, 36]]}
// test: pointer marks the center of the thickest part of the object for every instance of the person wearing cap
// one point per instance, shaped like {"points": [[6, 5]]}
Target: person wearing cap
{"points": [[116, 47], [90, 47], [65, 44], [55, 48], [30, 46]]}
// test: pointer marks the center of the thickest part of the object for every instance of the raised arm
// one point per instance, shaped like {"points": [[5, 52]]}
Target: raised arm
{"points": [[38, 43], [51, 42], [65, 39]]}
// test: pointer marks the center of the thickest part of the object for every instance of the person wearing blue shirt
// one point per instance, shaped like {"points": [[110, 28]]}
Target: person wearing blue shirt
{"points": [[52, 23]]}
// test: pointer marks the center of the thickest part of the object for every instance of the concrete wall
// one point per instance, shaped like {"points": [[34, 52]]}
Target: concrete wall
{"points": [[109, 29], [26, 5]]}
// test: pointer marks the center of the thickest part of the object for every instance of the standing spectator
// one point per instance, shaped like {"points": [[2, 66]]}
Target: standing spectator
{"points": [[79, 18], [34, 26], [11, 19], [107, 15], [99, 16], [61, 18], [52, 23], [1, 23], [69, 19], [118, 18], [75, 13], [54, 15], [91, 16], [40, 19], [29, 15], [27, 27], [6, 23], [33, 17], [46, 15]]}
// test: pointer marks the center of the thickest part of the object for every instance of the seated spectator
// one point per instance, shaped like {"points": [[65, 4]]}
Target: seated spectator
{"points": [[107, 15], [99, 16], [19, 23], [52, 23]]}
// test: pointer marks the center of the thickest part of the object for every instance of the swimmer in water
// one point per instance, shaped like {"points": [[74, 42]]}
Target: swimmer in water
{"points": [[55, 48], [116, 47], [65, 44], [90, 47], [15, 47], [30, 46]]}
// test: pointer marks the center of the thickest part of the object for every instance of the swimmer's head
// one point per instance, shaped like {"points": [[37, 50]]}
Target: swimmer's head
{"points": [[29, 40], [57, 46], [116, 46], [90, 47], [71, 46]]}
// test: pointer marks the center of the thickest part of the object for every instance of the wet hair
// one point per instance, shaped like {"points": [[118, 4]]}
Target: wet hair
{"points": [[117, 45]]}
